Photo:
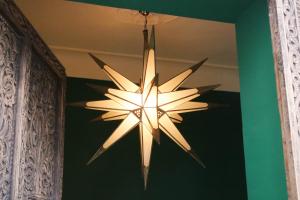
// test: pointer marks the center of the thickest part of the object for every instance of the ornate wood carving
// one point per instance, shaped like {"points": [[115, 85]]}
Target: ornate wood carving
{"points": [[39, 137], [9, 53], [285, 27], [32, 86]]}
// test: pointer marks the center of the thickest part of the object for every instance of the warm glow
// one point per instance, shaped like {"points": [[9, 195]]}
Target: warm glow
{"points": [[149, 105]]}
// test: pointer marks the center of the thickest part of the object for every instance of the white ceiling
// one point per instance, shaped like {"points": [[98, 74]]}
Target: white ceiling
{"points": [[73, 29]]}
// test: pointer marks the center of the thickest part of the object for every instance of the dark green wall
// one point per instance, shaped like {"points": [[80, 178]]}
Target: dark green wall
{"points": [[261, 123], [216, 135]]}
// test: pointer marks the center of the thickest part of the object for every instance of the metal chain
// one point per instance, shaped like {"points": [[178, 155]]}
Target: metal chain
{"points": [[145, 14]]}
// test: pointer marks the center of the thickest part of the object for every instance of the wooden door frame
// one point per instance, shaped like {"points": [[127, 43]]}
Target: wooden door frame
{"points": [[32, 164], [284, 18]]}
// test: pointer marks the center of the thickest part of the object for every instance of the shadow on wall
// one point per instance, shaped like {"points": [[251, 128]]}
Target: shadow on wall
{"points": [[216, 135]]}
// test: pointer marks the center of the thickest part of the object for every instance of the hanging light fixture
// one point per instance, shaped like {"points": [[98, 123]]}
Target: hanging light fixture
{"points": [[150, 106]]}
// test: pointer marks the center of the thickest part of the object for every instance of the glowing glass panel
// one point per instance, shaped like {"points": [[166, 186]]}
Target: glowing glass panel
{"points": [[165, 98], [122, 82], [173, 132], [175, 82]]}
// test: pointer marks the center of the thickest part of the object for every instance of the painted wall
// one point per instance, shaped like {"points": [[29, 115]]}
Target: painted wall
{"points": [[216, 135], [261, 123]]}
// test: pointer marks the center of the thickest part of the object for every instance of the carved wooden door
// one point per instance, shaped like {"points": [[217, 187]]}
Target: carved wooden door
{"points": [[32, 85]]}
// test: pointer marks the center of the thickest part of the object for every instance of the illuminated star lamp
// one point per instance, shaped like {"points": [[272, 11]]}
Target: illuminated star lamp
{"points": [[148, 105]]}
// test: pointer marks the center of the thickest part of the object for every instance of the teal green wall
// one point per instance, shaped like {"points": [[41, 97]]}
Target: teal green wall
{"points": [[216, 135], [261, 126], [261, 123]]}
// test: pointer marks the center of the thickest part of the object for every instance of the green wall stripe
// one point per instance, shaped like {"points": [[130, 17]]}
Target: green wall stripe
{"points": [[261, 124], [225, 11]]}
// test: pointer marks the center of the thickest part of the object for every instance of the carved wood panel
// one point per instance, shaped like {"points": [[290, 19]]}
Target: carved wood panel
{"points": [[32, 86], [285, 27], [9, 54], [39, 137]]}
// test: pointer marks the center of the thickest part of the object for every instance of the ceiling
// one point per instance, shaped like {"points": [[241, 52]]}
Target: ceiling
{"points": [[72, 29]]}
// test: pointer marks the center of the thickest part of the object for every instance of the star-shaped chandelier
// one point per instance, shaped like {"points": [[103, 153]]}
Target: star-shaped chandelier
{"points": [[148, 105]]}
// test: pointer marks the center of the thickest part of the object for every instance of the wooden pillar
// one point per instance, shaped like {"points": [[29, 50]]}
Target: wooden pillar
{"points": [[32, 88], [285, 27]]}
